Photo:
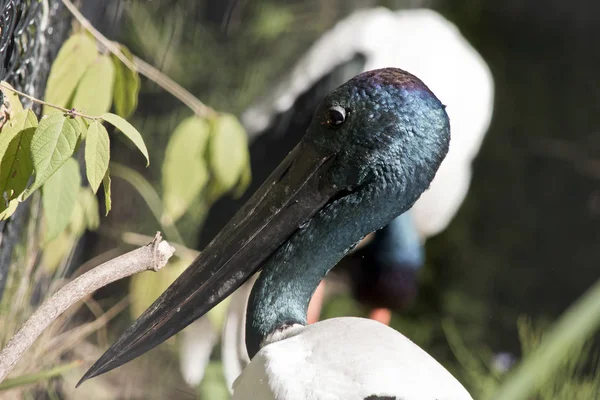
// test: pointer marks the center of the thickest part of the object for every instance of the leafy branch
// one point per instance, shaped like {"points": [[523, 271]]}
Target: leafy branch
{"points": [[70, 112], [140, 66]]}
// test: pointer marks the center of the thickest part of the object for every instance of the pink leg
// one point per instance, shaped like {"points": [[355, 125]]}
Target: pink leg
{"points": [[314, 307], [382, 315]]}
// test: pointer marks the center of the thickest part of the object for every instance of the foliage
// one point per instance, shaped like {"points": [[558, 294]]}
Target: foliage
{"points": [[82, 86]]}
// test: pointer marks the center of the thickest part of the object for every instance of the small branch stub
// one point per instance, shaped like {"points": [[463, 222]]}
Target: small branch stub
{"points": [[153, 257]]}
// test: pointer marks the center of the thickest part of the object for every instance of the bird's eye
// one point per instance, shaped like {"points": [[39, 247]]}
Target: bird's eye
{"points": [[336, 116]]}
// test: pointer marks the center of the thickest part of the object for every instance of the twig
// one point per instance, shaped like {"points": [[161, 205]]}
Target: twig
{"points": [[72, 112], [137, 239], [153, 256], [142, 67]]}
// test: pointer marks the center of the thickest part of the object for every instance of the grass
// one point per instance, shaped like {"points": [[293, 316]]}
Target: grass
{"points": [[575, 376]]}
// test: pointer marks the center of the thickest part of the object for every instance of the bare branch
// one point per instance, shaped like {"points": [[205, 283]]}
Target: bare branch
{"points": [[153, 256]]}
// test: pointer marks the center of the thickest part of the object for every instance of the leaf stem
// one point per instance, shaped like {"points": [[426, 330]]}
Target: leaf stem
{"points": [[140, 66], [72, 112]]}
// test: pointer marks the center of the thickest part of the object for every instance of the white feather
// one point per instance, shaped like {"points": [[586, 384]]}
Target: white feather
{"points": [[345, 358]]}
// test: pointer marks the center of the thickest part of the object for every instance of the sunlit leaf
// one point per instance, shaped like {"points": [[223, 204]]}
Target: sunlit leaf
{"points": [[94, 93], [13, 99], [129, 131], [10, 210], [243, 183], [16, 166], [107, 191], [76, 226], [127, 86], [89, 204], [83, 127], [184, 172], [147, 286], [56, 249], [53, 143], [74, 58], [85, 214], [97, 154], [59, 195], [228, 152]]}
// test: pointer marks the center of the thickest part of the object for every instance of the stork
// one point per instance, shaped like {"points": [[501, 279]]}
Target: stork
{"points": [[373, 147], [382, 273]]}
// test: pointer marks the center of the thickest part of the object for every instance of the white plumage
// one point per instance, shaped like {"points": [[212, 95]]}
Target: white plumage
{"points": [[345, 358], [348, 355]]}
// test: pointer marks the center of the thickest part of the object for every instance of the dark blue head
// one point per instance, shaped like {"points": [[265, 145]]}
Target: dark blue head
{"points": [[373, 147], [385, 127]]}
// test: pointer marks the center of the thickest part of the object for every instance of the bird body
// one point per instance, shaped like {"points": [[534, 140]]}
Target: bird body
{"points": [[373, 147], [345, 358]]}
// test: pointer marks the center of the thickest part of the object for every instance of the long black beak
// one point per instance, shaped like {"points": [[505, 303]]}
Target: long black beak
{"points": [[294, 192]]}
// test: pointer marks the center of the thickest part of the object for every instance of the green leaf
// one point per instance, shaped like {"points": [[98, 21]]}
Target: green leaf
{"points": [[243, 183], [184, 172], [85, 214], [74, 58], [127, 86], [53, 143], [83, 127], [97, 154], [13, 99], [59, 196], [129, 131], [94, 92], [228, 153], [89, 204], [57, 249], [16, 166], [76, 226], [106, 184], [10, 210]]}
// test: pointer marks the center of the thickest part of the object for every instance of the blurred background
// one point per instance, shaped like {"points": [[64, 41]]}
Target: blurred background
{"points": [[521, 248]]}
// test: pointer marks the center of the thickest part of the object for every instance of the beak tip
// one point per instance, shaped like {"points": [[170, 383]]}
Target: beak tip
{"points": [[84, 378], [92, 372], [98, 368]]}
